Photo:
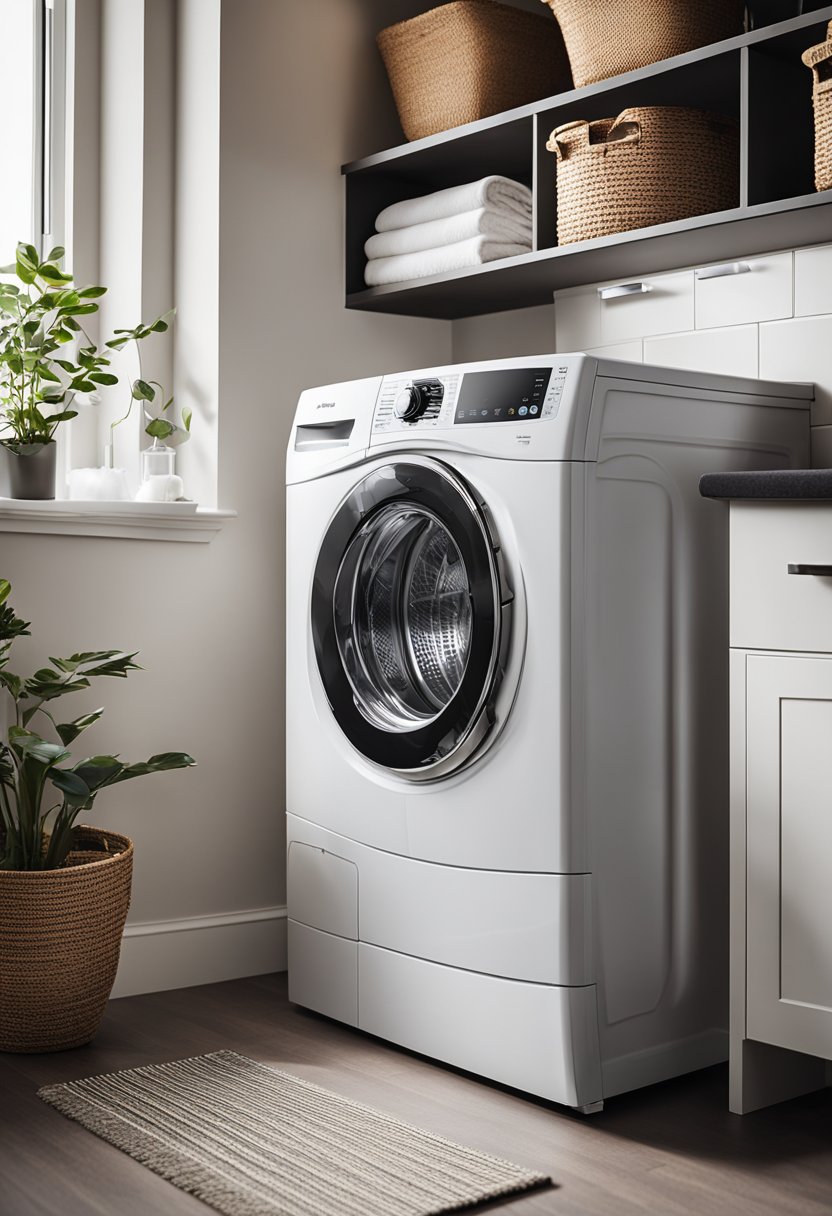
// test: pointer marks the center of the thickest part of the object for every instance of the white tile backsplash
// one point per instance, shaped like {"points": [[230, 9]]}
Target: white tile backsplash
{"points": [[731, 351], [763, 293], [631, 352], [801, 349], [774, 322], [813, 281]]}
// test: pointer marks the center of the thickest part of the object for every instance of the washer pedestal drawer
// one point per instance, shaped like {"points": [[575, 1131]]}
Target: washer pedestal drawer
{"points": [[535, 1037], [539, 1038]]}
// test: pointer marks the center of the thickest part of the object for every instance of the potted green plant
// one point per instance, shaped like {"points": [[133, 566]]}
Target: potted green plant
{"points": [[158, 461], [64, 889], [39, 323]]}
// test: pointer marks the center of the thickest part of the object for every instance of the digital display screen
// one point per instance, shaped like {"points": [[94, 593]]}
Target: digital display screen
{"points": [[511, 395]]}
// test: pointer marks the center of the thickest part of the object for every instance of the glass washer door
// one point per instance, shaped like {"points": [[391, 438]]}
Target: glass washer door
{"points": [[409, 619], [403, 617]]}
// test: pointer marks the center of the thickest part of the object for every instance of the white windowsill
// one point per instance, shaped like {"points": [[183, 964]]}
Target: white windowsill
{"points": [[125, 520]]}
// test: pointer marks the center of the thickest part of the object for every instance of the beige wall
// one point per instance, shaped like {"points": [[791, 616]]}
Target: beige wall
{"points": [[299, 95], [501, 335]]}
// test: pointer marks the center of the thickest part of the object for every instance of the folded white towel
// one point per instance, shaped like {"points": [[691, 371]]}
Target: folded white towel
{"points": [[473, 252], [508, 227], [497, 193]]}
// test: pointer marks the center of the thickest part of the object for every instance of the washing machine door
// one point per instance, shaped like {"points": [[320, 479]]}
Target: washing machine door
{"points": [[411, 619]]}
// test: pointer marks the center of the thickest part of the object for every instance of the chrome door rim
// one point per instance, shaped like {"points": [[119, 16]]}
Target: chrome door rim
{"points": [[421, 489]]}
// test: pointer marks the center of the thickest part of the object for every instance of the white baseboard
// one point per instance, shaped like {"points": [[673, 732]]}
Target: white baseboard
{"points": [[162, 954]]}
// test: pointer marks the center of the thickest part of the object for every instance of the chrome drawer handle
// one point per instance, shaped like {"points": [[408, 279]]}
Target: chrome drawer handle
{"points": [[721, 271], [623, 289], [800, 568]]}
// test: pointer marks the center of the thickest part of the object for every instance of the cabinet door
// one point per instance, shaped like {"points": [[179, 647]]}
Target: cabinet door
{"points": [[789, 852]]}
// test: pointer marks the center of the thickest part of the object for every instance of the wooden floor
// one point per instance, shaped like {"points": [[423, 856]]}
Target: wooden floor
{"points": [[672, 1149]]}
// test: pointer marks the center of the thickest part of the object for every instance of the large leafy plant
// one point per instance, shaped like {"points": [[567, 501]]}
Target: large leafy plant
{"points": [[41, 793], [39, 319]]}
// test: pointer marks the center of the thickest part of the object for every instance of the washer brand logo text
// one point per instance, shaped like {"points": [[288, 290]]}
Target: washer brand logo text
{"points": [[326, 405]]}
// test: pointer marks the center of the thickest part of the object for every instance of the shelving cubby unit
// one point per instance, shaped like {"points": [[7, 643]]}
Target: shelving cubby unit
{"points": [[757, 77]]}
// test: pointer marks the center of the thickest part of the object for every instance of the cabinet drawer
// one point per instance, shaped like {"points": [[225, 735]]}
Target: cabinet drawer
{"points": [[772, 609], [667, 307], [763, 292], [813, 281]]}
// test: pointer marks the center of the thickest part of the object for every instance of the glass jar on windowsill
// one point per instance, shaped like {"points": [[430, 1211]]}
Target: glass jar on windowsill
{"points": [[159, 481]]}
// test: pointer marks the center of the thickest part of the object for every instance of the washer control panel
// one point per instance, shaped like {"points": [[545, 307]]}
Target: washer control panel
{"points": [[523, 394], [517, 394], [406, 403]]}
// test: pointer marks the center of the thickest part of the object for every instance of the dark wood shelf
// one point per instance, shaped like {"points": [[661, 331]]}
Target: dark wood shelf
{"points": [[757, 77]]}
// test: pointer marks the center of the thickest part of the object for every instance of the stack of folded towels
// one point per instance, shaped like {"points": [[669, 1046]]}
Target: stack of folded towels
{"points": [[462, 226]]}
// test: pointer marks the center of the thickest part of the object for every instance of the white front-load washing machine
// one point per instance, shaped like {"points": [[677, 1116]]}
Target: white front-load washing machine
{"points": [[507, 712]]}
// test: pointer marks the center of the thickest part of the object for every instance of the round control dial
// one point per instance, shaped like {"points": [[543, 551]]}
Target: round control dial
{"points": [[414, 400], [410, 403]]}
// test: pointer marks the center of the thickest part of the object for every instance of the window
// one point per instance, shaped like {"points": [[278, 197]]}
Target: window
{"points": [[30, 37]]}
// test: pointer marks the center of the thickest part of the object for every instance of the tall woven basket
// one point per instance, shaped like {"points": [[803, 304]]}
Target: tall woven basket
{"points": [[60, 936], [650, 165], [819, 59], [607, 37], [469, 59]]}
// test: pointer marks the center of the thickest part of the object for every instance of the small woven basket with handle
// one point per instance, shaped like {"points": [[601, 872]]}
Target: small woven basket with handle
{"points": [[819, 59], [469, 59], [60, 936], [607, 37], [650, 165]]}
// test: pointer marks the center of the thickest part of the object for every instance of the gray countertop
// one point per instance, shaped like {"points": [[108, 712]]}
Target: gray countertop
{"points": [[769, 484]]}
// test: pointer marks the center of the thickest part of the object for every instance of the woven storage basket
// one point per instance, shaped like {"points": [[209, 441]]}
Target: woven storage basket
{"points": [[607, 37], [650, 165], [469, 59], [60, 936], [819, 59]]}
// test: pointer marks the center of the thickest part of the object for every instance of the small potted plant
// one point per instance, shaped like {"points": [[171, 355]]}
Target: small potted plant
{"points": [[39, 324], [64, 889], [159, 482]]}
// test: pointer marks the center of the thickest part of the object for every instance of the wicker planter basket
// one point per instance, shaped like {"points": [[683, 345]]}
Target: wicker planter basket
{"points": [[819, 59], [60, 936], [650, 165], [469, 59], [607, 37]]}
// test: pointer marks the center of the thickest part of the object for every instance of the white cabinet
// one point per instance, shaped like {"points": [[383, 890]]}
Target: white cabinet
{"points": [[738, 293], [663, 306], [781, 801], [789, 850], [624, 311]]}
